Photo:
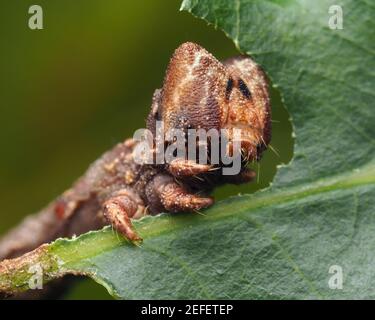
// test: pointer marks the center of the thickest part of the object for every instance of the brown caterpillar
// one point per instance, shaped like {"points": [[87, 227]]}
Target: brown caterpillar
{"points": [[198, 92]]}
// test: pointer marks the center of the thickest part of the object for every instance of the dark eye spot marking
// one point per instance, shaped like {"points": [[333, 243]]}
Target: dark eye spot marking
{"points": [[244, 89], [229, 88]]}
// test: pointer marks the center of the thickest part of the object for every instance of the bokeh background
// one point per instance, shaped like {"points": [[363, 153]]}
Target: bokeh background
{"points": [[72, 90]]}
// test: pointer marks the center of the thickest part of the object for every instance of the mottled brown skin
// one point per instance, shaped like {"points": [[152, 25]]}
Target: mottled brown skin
{"points": [[198, 92]]}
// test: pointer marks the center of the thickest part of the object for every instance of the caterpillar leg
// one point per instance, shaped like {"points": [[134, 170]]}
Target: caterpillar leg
{"points": [[187, 168], [119, 208], [166, 194]]}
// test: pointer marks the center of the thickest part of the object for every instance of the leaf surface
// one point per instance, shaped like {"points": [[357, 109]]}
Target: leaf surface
{"points": [[279, 243]]}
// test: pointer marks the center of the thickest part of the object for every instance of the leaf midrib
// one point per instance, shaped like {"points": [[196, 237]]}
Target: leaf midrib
{"points": [[96, 242]]}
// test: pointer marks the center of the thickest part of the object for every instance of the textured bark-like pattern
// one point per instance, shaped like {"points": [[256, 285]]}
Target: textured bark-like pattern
{"points": [[199, 92]]}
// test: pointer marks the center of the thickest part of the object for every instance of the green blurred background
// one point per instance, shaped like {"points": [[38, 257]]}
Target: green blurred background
{"points": [[83, 83]]}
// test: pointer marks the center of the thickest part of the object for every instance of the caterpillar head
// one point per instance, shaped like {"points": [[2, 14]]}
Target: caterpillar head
{"points": [[200, 92]]}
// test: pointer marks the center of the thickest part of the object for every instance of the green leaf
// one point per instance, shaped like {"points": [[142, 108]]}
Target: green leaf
{"points": [[279, 243]]}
